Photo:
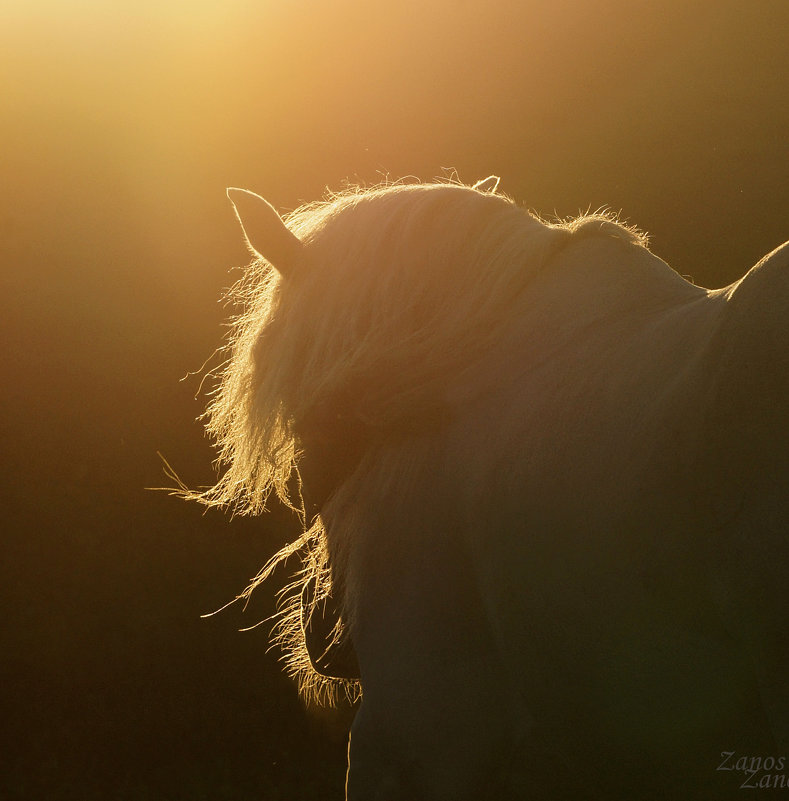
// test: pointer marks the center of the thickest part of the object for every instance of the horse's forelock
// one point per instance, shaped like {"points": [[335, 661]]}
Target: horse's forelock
{"points": [[397, 277]]}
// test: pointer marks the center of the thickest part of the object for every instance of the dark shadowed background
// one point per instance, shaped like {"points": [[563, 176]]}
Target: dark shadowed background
{"points": [[120, 128]]}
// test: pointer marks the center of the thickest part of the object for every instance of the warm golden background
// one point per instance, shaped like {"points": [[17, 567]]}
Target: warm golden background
{"points": [[120, 126]]}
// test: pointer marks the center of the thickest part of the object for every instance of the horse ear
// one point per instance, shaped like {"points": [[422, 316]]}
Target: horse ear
{"points": [[488, 185], [264, 231]]}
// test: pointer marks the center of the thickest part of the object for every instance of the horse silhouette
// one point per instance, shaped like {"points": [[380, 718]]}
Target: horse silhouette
{"points": [[545, 489]]}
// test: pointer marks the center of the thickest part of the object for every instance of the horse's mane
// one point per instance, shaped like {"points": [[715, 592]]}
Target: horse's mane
{"points": [[404, 290]]}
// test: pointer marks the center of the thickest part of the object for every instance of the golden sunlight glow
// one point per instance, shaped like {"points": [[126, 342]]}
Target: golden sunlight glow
{"points": [[121, 126]]}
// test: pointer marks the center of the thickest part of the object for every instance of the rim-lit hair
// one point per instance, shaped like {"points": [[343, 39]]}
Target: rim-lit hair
{"points": [[400, 291]]}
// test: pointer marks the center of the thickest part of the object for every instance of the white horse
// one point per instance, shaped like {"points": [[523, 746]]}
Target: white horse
{"points": [[548, 481]]}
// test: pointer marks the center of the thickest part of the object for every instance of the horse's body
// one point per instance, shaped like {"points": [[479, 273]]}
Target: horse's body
{"points": [[559, 557]]}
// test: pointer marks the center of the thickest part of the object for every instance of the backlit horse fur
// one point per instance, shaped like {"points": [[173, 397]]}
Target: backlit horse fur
{"points": [[404, 291]]}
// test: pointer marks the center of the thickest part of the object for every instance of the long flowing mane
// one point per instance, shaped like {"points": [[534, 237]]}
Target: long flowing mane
{"points": [[405, 289]]}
